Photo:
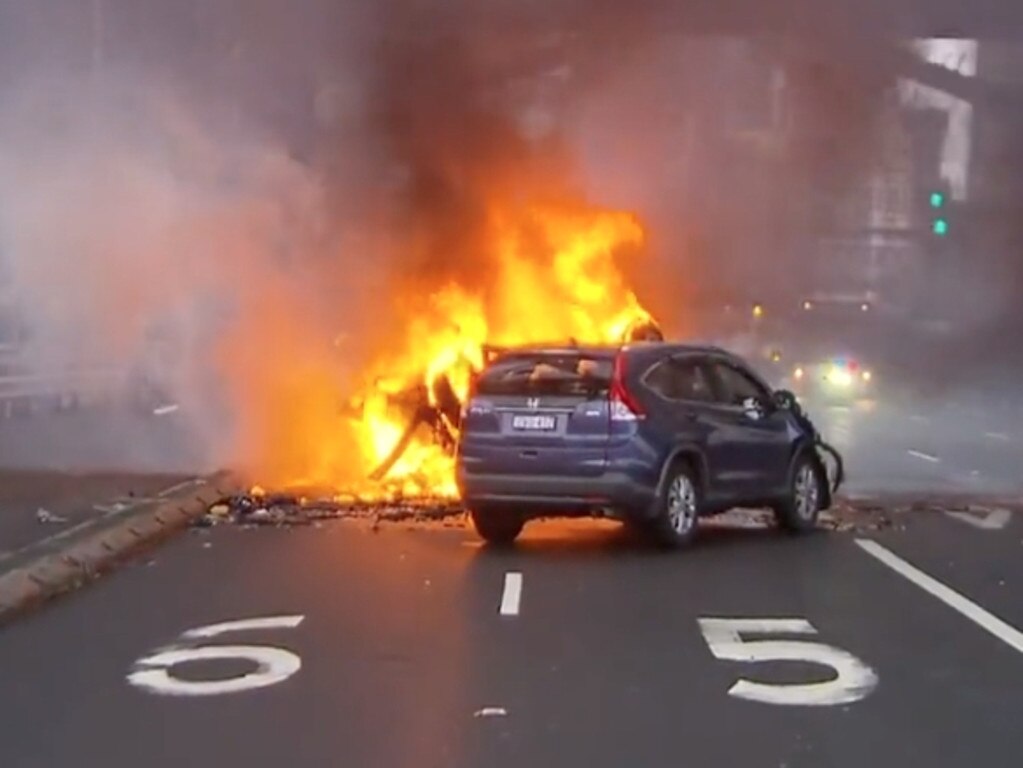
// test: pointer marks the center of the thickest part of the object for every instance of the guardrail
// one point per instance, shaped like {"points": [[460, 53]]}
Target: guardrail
{"points": [[24, 389]]}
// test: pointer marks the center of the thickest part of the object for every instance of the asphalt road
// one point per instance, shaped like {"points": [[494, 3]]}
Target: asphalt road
{"points": [[406, 660], [926, 447], [416, 646]]}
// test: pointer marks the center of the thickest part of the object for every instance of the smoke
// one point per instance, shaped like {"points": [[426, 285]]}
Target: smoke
{"points": [[145, 235], [265, 191]]}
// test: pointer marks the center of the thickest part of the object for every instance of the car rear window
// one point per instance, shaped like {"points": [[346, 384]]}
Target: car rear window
{"points": [[547, 375]]}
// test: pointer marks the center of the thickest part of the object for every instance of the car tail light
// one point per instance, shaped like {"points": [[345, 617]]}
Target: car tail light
{"points": [[624, 406]]}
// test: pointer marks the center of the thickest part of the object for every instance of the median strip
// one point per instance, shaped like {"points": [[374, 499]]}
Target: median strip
{"points": [[63, 562]]}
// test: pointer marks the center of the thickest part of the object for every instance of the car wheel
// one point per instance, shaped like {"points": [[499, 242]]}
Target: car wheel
{"points": [[799, 512], [497, 526], [678, 508]]}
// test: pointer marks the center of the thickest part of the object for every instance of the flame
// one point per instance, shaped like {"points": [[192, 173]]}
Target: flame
{"points": [[554, 277]]}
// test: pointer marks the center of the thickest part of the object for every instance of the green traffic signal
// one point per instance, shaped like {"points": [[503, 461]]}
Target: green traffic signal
{"points": [[937, 199], [940, 227]]}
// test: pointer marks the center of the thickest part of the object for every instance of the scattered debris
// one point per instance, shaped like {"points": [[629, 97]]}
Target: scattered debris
{"points": [[283, 510], [491, 712], [45, 516]]}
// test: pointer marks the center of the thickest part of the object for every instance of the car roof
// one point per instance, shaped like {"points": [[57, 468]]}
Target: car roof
{"points": [[610, 350]]}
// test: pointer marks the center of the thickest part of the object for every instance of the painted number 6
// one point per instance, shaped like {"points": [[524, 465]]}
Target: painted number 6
{"points": [[273, 665], [853, 679]]}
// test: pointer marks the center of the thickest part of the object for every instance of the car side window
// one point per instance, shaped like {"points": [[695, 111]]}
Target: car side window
{"points": [[681, 379], [737, 386]]}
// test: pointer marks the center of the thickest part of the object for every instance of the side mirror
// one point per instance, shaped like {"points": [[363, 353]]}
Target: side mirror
{"points": [[784, 399]]}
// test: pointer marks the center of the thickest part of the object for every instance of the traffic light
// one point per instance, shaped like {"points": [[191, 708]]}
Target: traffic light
{"points": [[939, 219]]}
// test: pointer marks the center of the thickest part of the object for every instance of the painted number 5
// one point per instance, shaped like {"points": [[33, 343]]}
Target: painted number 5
{"points": [[853, 679], [272, 665]]}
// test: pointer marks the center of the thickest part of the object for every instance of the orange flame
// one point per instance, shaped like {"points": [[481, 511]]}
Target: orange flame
{"points": [[554, 278]]}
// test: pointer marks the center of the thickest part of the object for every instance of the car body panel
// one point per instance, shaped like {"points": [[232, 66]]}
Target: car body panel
{"points": [[589, 461]]}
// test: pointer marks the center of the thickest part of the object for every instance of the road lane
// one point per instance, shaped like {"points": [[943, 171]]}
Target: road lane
{"points": [[406, 660], [942, 450], [35, 505], [985, 565]]}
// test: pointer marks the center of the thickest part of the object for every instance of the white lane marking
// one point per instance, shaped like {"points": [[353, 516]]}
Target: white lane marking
{"points": [[512, 594], [243, 625], [491, 712], [853, 679], [154, 673], [164, 410], [1007, 633], [919, 419], [924, 456], [990, 520], [998, 436], [181, 486], [273, 665]]}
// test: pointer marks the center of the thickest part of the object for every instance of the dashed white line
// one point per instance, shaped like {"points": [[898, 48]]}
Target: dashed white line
{"points": [[997, 436], [1007, 633], [924, 456], [512, 594]]}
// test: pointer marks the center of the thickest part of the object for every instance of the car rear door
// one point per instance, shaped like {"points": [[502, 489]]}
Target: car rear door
{"points": [[685, 414], [760, 436], [539, 413]]}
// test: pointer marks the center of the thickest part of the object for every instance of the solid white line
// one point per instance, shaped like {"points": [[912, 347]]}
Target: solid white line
{"points": [[512, 594], [924, 456], [180, 486], [1007, 633]]}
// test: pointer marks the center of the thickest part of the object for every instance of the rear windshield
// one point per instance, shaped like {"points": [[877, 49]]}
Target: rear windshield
{"points": [[547, 375]]}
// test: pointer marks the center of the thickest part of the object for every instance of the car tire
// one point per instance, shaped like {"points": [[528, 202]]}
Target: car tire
{"points": [[675, 521], [497, 526], [799, 511]]}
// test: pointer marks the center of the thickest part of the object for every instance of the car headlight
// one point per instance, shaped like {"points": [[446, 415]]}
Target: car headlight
{"points": [[799, 373], [840, 377], [867, 375]]}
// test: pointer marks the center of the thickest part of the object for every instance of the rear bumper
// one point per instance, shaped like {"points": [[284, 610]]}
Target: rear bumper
{"points": [[615, 492]]}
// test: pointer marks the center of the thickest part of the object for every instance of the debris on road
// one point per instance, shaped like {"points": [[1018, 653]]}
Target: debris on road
{"points": [[491, 712], [285, 509], [45, 516]]}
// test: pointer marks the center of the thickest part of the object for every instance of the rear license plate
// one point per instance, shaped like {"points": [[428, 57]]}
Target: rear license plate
{"points": [[534, 423]]}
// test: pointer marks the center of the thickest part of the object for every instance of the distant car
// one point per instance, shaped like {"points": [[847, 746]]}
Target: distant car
{"points": [[656, 434], [833, 379]]}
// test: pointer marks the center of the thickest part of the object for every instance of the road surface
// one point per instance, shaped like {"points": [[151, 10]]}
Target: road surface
{"points": [[416, 646]]}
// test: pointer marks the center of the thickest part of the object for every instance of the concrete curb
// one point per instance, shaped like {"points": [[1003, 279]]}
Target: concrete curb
{"points": [[85, 557]]}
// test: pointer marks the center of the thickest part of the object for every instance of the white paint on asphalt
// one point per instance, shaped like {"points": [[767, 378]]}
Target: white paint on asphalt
{"points": [[997, 436], [273, 665], [181, 486], [164, 410], [988, 520], [491, 712], [853, 680], [920, 419], [512, 594], [244, 625], [924, 456], [153, 673], [1007, 633]]}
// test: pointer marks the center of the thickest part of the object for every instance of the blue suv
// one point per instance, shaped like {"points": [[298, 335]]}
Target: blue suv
{"points": [[656, 434]]}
